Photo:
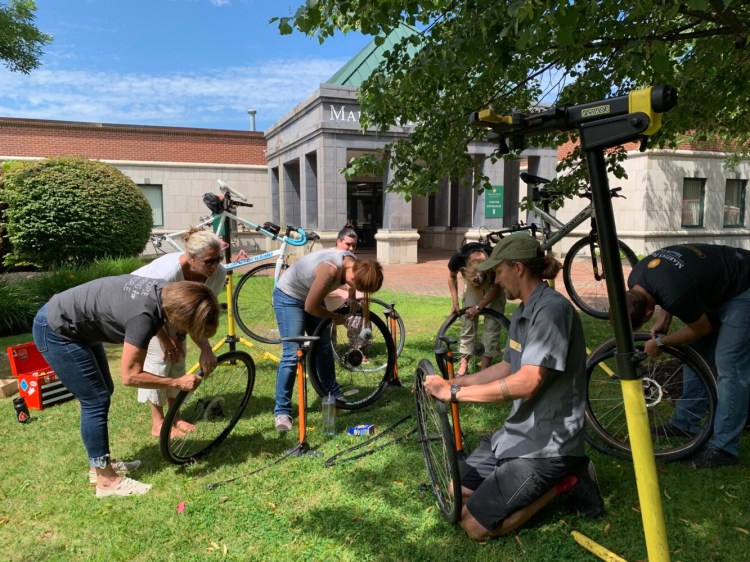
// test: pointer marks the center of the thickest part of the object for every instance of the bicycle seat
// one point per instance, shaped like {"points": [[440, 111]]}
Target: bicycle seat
{"points": [[532, 179]]}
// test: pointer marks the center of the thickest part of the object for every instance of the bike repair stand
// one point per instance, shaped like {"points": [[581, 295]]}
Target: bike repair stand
{"points": [[601, 125], [303, 343], [231, 338]]}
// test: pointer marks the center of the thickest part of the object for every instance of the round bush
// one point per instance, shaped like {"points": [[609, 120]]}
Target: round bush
{"points": [[71, 210]]}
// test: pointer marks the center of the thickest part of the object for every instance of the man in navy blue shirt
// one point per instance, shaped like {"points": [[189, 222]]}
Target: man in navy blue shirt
{"points": [[708, 288]]}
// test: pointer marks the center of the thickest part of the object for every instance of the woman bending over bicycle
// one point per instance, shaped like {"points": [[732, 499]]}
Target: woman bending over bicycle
{"points": [[200, 262], [69, 331], [298, 302]]}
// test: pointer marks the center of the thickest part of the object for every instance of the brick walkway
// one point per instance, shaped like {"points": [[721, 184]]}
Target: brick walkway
{"points": [[430, 275]]}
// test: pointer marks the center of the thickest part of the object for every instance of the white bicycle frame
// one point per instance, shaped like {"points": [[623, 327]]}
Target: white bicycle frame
{"points": [[281, 253]]}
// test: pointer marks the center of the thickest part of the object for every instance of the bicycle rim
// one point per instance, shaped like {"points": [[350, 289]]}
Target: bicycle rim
{"points": [[252, 304], [214, 409], [438, 447], [491, 329], [584, 278], [379, 307], [362, 373], [662, 378]]}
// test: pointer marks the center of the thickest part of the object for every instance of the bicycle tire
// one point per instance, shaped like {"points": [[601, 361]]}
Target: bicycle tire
{"points": [[361, 384], [400, 338], [214, 409], [452, 327], [438, 446], [586, 287], [606, 426], [252, 304]]}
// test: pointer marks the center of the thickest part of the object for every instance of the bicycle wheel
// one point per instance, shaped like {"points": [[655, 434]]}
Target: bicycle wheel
{"points": [[214, 409], [491, 334], [438, 446], [363, 368], [380, 307], [252, 304], [584, 278], [667, 392]]}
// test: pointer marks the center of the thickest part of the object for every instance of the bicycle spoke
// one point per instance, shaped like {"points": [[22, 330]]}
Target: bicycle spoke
{"points": [[253, 304], [490, 331], [200, 420], [664, 388], [585, 278], [362, 367], [438, 448]]}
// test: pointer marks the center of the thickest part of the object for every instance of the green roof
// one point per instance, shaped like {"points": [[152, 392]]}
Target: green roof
{"points": [[360, 67]]}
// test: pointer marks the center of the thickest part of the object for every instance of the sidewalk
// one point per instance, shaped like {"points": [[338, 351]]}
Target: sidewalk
{"points": [[430, 275]]}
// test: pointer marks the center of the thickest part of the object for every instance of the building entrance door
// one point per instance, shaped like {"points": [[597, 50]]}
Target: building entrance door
{"points": [[364, 206]]}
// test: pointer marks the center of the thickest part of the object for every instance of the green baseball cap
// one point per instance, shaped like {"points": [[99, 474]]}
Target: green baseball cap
{"points": [[515, 247]]}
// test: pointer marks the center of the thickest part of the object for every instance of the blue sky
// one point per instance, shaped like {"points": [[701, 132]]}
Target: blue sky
{"points": [[182, 63]]}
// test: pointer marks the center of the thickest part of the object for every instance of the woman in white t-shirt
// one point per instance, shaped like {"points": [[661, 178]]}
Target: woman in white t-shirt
{"points": [[200, 262]]}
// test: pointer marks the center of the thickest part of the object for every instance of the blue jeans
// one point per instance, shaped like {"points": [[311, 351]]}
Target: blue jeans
{"points": [[729, 351], [84, 371], [294, 321]]}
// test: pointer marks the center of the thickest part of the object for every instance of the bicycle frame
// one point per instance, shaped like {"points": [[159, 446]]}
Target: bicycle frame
{"points": [[280, 254], [563, 229]]}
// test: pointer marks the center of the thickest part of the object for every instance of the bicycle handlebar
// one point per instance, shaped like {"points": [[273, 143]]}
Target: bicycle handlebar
{"points": [[497, 235]]}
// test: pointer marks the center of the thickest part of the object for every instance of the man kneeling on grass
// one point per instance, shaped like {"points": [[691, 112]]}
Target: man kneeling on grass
{"points": [[530, 460]]}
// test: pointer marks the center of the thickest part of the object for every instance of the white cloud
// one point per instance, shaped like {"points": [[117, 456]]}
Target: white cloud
{"points": [[217, 99], [220, 2]]}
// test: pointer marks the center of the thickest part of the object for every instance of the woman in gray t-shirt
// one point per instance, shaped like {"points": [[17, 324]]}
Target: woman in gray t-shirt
{"points": [[298, 302], [69, 331]]}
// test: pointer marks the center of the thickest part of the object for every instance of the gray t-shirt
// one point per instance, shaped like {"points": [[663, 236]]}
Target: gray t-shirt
{"points": [[125, 308], [547, 332], [298, 279]]}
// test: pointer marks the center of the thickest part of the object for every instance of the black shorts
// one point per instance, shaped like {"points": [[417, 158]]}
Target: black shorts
{"points": [[503, 486]]}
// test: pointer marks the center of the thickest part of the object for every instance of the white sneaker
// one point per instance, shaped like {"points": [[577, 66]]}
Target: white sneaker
{"points": [[283, 422], [121, 468], [126, 487]]}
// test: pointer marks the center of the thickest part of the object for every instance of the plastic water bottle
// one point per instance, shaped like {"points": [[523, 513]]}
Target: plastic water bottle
{"points": [[329, 415]]}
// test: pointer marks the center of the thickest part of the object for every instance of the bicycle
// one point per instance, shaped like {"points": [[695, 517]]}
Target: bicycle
{"points": [[663, 386], [583, 270]]}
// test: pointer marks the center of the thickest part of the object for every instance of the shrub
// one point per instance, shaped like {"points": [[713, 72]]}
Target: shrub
{"points": [[19, 300], [71, 210]]}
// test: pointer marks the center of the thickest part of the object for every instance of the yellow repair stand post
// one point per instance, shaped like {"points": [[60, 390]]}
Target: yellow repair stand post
{"points": [[231, 338]]}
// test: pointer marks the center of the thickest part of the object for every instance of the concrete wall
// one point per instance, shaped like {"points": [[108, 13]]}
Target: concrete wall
{"points": [[650, 217]]}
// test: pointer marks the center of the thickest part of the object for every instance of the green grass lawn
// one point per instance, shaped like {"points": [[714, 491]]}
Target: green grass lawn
{"points": [[374, 508]]}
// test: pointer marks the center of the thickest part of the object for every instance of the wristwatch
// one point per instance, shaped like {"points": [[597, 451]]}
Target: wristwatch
{"points": [[659, 343], [454, 390]]}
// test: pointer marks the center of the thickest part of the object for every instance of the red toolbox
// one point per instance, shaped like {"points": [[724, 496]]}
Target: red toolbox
{"points": [[37, 383]]}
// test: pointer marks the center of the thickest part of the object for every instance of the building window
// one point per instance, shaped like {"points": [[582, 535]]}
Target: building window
{"points": [[734, 203], [693, 195], [153, 195]]}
